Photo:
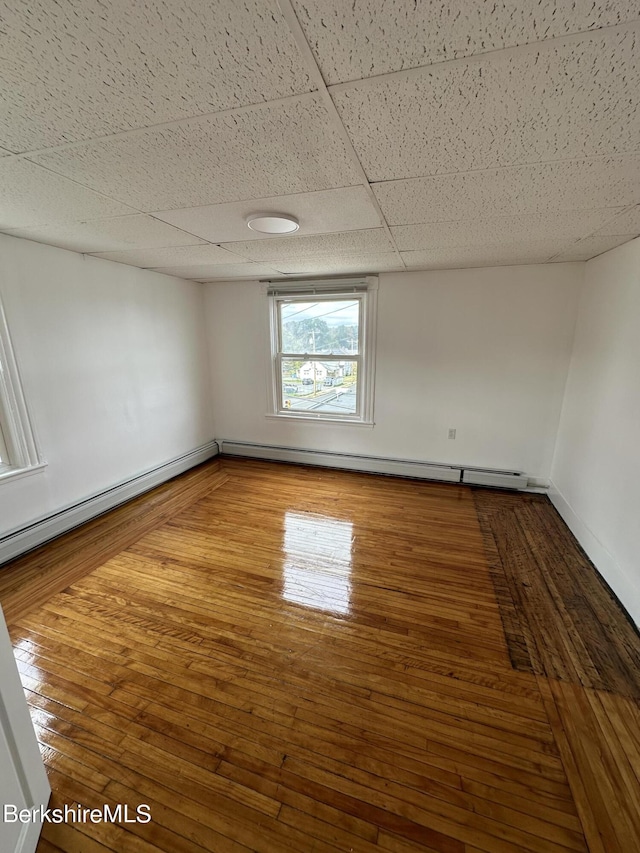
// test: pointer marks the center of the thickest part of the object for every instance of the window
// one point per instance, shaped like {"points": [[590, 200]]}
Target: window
{"points": [[322, 350], [18, 451]]}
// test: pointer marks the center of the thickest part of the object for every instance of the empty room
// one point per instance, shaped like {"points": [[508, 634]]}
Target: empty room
{"points": [[319, 418]]}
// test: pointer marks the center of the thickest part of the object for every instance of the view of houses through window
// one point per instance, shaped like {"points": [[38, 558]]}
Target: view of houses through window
{"points": [[320, 350]]}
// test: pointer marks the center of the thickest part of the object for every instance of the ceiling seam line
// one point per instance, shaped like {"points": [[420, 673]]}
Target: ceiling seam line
{"points": [[135, 210], [621, 212], [315, 74], [528, 47], [298, 236], [262, 198], [166, 125], [620, 209], [624, 209], [595, 157]]}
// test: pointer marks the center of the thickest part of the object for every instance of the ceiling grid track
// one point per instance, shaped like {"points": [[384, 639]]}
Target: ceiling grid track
{"points": [[315, 74], [199, 118], [481, 57], [594, 233], [401, 136]]}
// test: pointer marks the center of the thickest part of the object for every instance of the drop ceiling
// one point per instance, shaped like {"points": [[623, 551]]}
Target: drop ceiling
{"points": [[402, 134]]}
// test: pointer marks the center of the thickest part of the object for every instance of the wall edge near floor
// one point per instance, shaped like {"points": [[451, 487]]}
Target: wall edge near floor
{"points": [[25, 539], [388, 466], [602, 559], [342, 461]]}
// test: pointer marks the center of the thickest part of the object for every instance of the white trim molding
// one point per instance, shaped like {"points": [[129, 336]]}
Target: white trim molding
{"points": [[42, 530], [17, 438], [364, 291], [22, 763]]}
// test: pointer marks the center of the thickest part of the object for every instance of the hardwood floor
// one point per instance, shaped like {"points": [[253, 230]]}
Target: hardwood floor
{"points": [[277, 658], [32, 579], [567, 617]]}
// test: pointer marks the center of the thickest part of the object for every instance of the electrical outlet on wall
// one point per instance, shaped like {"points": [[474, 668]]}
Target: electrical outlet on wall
{"points": [[452, 433]]}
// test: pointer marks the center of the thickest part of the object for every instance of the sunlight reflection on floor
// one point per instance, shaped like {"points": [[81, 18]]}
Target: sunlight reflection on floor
{"points": [[317, 561]]}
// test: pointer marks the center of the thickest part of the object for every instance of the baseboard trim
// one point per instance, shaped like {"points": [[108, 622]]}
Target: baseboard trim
{"points": [[368, 464], [346, 461], [607, 567], [43, 530]]}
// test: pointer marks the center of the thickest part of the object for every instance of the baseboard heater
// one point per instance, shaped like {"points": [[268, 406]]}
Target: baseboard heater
{"points": [[377, 465], [42, 530], [497, 479], [348, 461]]}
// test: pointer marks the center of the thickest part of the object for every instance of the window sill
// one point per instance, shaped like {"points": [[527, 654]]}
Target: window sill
{"points": [[317, 419], [15, 473]]}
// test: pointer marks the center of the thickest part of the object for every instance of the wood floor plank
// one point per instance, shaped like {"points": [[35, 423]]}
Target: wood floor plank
{"points": [[28, 581], [579, 632], [279, 658]]}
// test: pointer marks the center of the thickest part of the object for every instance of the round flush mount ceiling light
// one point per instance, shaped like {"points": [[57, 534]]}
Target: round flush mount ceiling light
{"points": [[273, 223]]}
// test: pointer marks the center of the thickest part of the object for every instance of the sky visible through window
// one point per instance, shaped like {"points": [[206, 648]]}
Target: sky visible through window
{"points": [[320, 327]]}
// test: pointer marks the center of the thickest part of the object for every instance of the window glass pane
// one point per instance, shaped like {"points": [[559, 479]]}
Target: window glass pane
{"points": [[328, 386], [328, 326]]}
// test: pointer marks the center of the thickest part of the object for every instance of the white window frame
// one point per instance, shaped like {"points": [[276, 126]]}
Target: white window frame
{"points": [[16, 433], [364, 290]]}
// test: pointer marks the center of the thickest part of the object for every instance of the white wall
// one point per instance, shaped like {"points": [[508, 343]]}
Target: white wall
{"points": [[114, 367], [484, 351], [596, 469]]}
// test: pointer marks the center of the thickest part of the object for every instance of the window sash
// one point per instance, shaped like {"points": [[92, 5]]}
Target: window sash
{"points": [[17, 436], [280, 406], [282, 354], [331, 297]]}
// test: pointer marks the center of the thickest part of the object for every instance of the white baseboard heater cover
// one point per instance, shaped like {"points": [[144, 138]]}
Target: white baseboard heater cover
{"points": [[370, 464], [499, 479], [42, 530]]}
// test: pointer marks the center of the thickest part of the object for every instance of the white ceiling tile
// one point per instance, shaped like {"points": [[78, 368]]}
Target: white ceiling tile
{"points": [[209, 272], [355, 40], [105, 235], [294, 247], [360, 263], [346, 209], [459, 144], [627, 222], [590, 247], [569, 185], [498, 254], [554, 101], [30, 195], [565, 225], [268, 150], [84, 68], [172, 256]]}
